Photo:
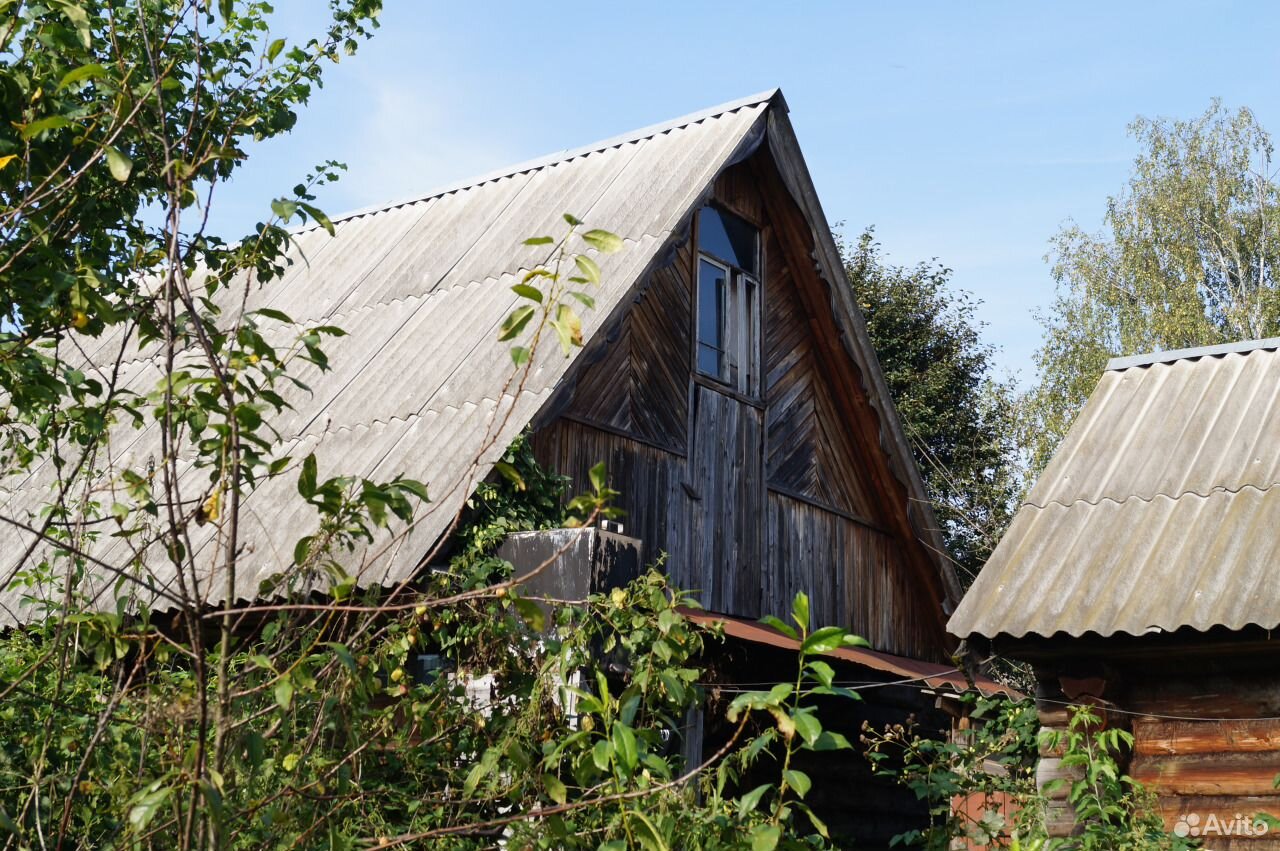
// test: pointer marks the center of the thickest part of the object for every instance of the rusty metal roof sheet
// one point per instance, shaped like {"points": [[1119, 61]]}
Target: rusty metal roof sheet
{"points": [[908, 670], [1160, 510]]}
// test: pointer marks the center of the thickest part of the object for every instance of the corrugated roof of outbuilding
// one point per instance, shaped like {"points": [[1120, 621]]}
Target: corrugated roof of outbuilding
{"points": [[1160, 510]]}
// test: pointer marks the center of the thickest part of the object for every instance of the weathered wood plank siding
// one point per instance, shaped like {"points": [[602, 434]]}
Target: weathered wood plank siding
{"points": [[752, 500], [725, 546], [639, 385], [647, 478], [850, 572], [811, 452]]}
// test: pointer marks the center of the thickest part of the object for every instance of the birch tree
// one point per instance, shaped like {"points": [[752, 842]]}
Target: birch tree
{"points": [[1187, 256]]}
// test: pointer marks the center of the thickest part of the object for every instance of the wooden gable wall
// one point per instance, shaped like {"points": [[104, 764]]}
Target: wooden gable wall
{"points": [[752, 500]]}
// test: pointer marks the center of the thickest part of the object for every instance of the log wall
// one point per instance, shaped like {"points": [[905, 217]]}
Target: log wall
{"points": [[1207, 747], [1215, 774]]}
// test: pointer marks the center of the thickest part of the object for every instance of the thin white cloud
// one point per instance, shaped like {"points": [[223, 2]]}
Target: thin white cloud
{"points": [[411, 143]]}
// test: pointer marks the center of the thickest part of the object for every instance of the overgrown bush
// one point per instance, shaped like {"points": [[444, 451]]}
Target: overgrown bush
{"points": [[993, 764]]}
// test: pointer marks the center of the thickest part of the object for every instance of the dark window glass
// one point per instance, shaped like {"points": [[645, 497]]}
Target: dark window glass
{"points": [[728, 237], [711, 305]]}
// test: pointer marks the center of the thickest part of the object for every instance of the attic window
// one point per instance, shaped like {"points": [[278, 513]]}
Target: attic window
{"points": [[728, 300]]}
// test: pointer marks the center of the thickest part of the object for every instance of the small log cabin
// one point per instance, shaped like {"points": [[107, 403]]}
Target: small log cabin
{"points": [[726, 380], [1140, 577]]}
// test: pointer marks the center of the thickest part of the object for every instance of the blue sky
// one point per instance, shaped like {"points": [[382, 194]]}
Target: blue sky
{"points": [[968, 132]]}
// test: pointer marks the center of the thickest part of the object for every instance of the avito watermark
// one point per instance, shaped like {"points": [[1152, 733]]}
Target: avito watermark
{"points": [[1191, 824]]}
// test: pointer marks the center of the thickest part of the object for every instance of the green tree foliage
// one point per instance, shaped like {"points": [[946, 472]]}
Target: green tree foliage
{"points": [[958, 416], [1188, 256], [311, 718]]}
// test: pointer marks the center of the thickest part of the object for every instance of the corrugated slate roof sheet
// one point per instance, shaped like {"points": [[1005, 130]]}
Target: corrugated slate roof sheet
{"points": [[420, 383], [1160, 510]]}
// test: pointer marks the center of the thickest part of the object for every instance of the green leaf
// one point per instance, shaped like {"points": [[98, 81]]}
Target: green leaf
{"points": [[823, 640], [284, 692], [478, 772], [603, 241], [146, 807], [272, 313], [822, 672], [526, 291], [284, 208], [770, 620], [601, 753], [511, 474], [650, 838], [274, 49], [531, 613], [85, 72], [318, 216], [307, 478], [573, 220], [555, 789], [538, 240], [821, 826], [516, 322], [748, 802], [414, 487], [798, 780], [808, 726], [78, 18], [586, 300], [344, 655], [51, 122], [829, 741], [765, 837], [599, 477], [590, 270], [800, 610], [226, 7], [624, 745], [255, 748], [519, 355], [851, 640]]}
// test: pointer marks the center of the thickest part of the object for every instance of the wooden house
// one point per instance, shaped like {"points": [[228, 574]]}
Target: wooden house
{"points": [[727, 382], [1140, 576]]}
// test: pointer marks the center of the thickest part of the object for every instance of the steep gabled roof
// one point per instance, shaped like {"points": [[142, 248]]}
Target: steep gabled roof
{"points": [[1161, 509], [420, 384]]}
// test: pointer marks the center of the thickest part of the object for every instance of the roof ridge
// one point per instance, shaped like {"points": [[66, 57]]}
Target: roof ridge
{"points": [[1241, 347], [561, 156], [1133, 497]]}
